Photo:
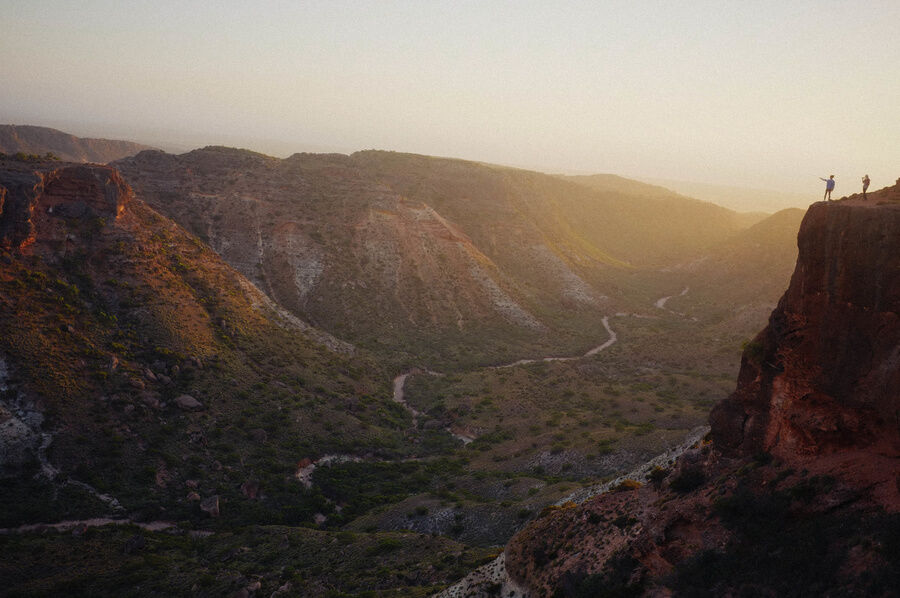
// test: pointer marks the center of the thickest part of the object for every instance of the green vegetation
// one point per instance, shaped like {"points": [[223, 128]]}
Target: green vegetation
{"points": [[25, 157], [127, 561], [115, 329], [792, 553]]}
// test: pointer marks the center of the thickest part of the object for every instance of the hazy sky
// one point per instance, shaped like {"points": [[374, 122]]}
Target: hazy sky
{"points": [[752, 93]]}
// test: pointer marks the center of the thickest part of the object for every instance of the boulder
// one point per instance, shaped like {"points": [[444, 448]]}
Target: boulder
{"points": [[188, 403], [210, 505], [150, 399], [250, 489]]}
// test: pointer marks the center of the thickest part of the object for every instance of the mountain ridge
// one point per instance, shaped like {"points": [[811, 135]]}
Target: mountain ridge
{"points": [[30, 139], [322, 234]]}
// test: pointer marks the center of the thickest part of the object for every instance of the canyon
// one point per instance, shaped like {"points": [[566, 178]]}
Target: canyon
{"points": [[413, 359]]}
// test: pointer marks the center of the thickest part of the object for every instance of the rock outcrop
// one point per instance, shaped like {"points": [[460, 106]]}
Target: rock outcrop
{"points": [[805, 449], [57, 203], [824, 376]]}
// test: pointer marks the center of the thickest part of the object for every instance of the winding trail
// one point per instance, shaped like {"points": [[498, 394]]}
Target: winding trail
{"points": [[400, 381], [61, 526], [304, 473], [661, 302], [613, 338]]}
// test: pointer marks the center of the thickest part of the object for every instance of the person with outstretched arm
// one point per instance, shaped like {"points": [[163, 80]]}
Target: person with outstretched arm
{"points": [[866, 182], [829, 187]]}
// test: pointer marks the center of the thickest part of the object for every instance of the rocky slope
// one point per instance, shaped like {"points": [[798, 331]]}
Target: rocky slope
{"points": [[428, 259], [143, 382], [798, 490], [30, 139], [133, 358]]}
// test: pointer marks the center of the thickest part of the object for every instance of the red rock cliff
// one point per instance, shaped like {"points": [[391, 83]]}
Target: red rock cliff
{"points": [[824, 376], [43, 200]]}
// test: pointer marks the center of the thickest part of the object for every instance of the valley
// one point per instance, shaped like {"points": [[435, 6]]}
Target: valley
{"points": [[389, 352]]}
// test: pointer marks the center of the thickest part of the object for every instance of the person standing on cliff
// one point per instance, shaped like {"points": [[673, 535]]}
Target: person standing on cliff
{"points": [[829, 187], [866, 182]]}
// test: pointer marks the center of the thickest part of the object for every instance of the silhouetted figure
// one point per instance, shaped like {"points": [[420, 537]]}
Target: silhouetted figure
{"points": [[829, 187], [866, 182]]}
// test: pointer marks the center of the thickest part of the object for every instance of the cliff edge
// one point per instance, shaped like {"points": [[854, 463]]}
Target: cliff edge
{"points": [[823, 378]]}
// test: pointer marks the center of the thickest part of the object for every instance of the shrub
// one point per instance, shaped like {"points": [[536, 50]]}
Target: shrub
{"points": [[753, 351], [688, 480], [627, 486]]}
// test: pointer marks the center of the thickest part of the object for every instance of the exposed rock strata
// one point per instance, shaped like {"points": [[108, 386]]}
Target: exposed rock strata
{"points": [[322, 236], [824, 376], [48, 202], [409, 253]]}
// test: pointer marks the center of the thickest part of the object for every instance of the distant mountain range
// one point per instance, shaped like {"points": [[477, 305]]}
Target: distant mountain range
{"points": [[41, 140], [743, 198]]}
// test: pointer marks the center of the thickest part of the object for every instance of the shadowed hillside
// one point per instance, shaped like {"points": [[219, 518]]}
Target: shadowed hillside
{"points": [[143, 380]]}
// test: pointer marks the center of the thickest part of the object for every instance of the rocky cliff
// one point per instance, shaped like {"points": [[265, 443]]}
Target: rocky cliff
{"points": [[92, 195], [797, 492], [824, 376]]}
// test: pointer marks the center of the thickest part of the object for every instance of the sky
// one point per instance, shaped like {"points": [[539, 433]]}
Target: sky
{"points": [[768, 95]]}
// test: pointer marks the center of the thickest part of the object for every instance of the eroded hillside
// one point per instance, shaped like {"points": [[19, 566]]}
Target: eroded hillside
{"points": [[144, 382], [148, 381], [432, 261]]}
